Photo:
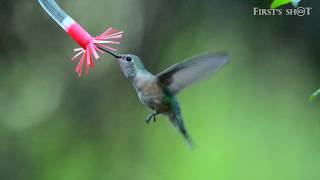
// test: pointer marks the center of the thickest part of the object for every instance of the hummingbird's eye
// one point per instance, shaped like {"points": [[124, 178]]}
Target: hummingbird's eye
{"points": [[128, 58]]}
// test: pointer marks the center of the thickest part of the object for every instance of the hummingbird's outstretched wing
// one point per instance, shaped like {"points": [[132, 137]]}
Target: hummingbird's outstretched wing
{"points": [[191, 70]]}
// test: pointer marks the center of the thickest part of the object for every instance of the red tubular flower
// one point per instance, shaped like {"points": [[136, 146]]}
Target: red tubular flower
{"points": [[89, 45]]}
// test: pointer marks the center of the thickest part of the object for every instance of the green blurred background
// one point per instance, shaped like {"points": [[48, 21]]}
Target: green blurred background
{"points": [[251, 121]]}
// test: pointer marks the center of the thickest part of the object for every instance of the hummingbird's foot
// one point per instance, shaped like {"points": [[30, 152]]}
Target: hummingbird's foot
{"points": [[151, 117]]}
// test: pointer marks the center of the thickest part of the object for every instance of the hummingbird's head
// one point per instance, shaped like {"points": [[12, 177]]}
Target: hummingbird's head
{"points": [[130, 64]]}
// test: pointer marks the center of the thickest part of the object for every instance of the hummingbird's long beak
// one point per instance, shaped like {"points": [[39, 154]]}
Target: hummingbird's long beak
{"points": [[109, 52]]}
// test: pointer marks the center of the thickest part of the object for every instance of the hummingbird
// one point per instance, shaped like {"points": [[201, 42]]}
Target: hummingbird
{"points": [[158, 92]]}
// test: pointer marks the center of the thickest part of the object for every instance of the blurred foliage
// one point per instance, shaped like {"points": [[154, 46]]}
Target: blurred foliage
{"points": [[251, 121], [278, 3], [315, 94]]}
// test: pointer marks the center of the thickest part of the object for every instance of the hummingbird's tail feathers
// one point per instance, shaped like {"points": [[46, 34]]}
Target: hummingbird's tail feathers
{"points": [[177, 121], [187, 138]]}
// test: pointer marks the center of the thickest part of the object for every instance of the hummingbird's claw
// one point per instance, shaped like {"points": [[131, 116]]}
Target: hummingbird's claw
{"points": [[151, 116]]}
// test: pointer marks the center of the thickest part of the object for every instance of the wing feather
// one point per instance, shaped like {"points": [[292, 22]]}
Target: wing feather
{"points": [[180, 75]]}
